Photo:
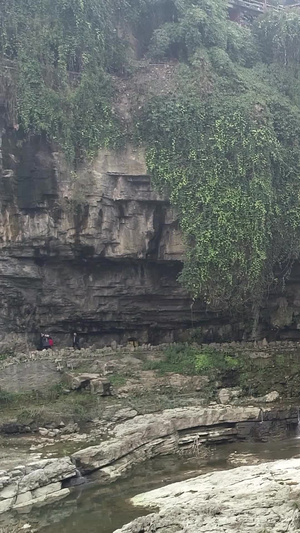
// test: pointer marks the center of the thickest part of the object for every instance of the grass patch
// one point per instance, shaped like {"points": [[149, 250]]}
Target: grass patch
{"points": [[191, 360], [117, 380]]}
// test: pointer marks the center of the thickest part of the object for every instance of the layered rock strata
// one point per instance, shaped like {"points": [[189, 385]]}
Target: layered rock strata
{"points": [[99, 251], [170, 431], [260, 498], [138, 438], [34, 482]]}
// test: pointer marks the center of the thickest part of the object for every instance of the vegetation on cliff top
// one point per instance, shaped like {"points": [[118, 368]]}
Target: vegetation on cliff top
{"points": [[224, 144], [60, 53]]}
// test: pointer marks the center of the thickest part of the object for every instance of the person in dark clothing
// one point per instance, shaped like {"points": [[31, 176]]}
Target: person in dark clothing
{"points": [[41, 344], [45, 342], [76, 343]]}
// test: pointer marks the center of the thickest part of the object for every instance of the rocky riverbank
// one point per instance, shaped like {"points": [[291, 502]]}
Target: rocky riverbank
{"points": [[138, 438], [34, 482], [128, 405], [260, 498]]}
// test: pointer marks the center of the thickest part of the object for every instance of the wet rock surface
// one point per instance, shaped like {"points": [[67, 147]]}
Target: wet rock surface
{"points": [[248, 499]]}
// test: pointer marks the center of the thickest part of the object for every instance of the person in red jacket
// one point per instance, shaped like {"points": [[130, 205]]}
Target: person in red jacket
{"points": [[50, 342]]}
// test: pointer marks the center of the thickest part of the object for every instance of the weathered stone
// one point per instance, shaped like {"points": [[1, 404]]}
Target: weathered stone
{"points": [[80, 381], [69, 429], [4, 480], [23, 499], [271, 397], [227, 395], [6, 504], [101, 387], [247, 499], [142, 430], [45, 472], [47, 489], [124, 414], [9, 491], [34, 482]]}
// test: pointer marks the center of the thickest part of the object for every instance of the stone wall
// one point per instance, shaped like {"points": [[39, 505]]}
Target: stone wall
{"points": [[30, 375]]}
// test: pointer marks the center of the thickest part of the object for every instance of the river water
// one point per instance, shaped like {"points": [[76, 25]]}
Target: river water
{"points": [[94, 508]]}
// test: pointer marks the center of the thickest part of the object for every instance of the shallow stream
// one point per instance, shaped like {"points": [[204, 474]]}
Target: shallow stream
{"points": [[95, 508]]}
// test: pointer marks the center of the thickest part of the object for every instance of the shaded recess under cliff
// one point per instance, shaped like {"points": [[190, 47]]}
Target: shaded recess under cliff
{"points": [[100, 251]]}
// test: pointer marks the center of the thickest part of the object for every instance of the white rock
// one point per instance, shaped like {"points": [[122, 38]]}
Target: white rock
{"points": [[249, 499], [265, 343], [143, 430], [48, 489], [9, 491], [23, 499], [271, 397], [5, 505]]}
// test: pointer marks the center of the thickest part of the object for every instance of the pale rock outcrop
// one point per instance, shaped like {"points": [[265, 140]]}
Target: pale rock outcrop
{"points": [[260, 498], [34, 482], [94, 382], [271, 397], [226, 396], [162, 433]]}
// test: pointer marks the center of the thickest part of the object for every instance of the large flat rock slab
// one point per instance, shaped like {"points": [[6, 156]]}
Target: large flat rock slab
{"points": [[143, 437], [260, 498]]}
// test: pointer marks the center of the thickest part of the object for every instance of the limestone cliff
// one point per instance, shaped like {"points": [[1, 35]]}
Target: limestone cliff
{"points": [[99, 251]]}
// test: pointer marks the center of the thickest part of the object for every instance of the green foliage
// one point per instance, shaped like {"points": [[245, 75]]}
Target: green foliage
{"points": [[63, 51], [6, 397], [279, 36], [118, 380], [192, 360], [209, 361], [195, 23], [229, 160], [225, 170], [242, 47], [224, 144]]}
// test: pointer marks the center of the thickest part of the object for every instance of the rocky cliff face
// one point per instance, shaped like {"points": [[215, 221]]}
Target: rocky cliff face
{"points": [[98, 251]]}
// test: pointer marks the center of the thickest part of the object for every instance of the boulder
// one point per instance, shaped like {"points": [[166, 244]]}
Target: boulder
{"points": [[69, 429], [227, 395], [271, 397], [100, 386], [80, 381], [9, 491], [35, 482]]}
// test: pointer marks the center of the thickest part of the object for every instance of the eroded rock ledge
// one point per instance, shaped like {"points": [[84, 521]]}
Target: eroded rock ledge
{"points": [[135, 440], [144, 437], [260, 498], [34, 482]]}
